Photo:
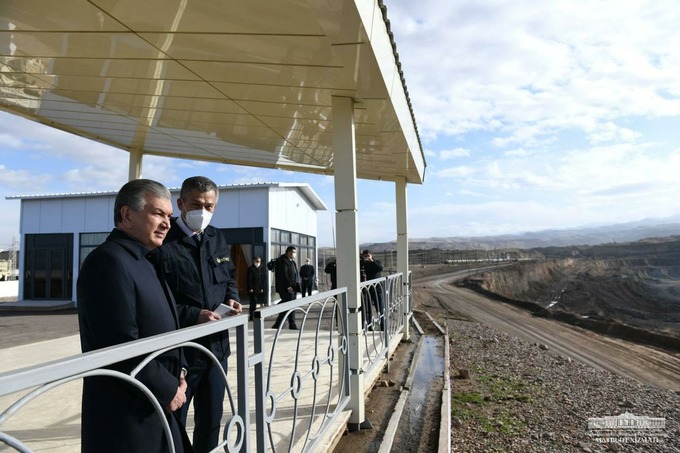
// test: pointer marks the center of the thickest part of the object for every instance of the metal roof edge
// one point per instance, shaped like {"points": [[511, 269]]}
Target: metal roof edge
{"points": [[383, 9], [305, 188]]}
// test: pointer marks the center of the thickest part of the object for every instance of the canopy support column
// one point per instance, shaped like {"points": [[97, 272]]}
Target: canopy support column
{"points": [[347, 249], [135, 168], [402, 248]]}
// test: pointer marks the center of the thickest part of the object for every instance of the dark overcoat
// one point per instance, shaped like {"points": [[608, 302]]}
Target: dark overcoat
{"points": [[121, 299], [256, 281], [286, 276]]}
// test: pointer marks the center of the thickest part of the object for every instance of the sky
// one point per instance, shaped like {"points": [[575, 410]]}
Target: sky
{"points": [[532, 116]]}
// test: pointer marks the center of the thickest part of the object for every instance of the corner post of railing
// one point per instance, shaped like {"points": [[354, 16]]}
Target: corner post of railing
{"points": [[345, 329], [386, 303], [242, 378], [260, 397]]}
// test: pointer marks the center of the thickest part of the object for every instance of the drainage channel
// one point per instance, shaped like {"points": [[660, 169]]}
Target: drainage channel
{"points": [[417, 428], [427, 385]]}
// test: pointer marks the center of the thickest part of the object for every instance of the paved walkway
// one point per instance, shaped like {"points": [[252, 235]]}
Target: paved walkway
{"points": [[51, 423]]}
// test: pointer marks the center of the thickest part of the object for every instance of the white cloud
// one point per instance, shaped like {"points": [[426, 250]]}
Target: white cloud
{"points": [[526, 70], [21, 180], [454, 153], [460, 171]]}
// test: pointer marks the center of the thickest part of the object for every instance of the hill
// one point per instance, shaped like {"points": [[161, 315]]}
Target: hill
{"points": [[592, 235]]}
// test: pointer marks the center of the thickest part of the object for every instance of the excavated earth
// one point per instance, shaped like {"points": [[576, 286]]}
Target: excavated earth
{"points": [[628, 291]]}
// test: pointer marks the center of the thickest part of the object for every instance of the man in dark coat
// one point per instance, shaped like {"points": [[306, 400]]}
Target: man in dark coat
{"points": [[373, 269], [332, 270], [307, 277], [256, 284], [198, 269], [287, 283], [122, 298]]}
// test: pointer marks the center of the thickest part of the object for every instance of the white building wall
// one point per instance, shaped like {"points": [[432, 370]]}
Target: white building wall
{"points": [[98, 214], [72, 215], [291, 211], [239, 208]]}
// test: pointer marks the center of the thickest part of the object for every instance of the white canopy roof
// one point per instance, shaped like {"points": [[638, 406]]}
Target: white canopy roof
{"points": [[241, 82]]}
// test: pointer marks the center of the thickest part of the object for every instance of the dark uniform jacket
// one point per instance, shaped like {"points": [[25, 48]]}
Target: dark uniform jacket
{"points": [[121, 299], [373, 269], [286, 275], [255, 279], [197, 287]]}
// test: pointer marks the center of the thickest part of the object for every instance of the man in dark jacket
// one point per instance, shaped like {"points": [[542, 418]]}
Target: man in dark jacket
{"points": [[332, 270], [198, 269], [256, 285], [307, 277], [287, 283], [373, 269], [121, 298]]}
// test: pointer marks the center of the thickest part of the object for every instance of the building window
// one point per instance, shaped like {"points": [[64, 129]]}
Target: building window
{"points": [[48, 269], [89, 242], [303, 243]]}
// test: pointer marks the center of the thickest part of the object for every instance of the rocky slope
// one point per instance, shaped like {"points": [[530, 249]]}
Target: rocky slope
{"points": [[522, 397]]}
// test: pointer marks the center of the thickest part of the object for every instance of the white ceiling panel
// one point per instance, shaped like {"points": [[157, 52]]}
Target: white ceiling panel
{"points": [[244, 82]]}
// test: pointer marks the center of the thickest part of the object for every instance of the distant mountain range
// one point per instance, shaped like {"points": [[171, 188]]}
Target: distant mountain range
{"points": [[590, 235]]}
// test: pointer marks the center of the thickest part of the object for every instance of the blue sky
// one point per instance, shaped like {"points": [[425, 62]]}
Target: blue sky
{"points": [[532, 115]]}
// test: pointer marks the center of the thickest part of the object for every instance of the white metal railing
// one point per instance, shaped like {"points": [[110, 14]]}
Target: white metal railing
{"points": [[291, 385]]}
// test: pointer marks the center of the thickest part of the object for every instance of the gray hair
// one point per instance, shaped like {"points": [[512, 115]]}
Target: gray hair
{"points": [[133, 195], [200, 183]]}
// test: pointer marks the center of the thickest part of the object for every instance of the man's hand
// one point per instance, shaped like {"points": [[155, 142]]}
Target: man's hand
{"points": [[236, 306], [250, 290], [180, 396], [207, 316], [290, 290]]}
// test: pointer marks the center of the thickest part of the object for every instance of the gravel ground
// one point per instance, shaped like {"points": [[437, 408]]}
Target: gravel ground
{"points": [[523, 397]]}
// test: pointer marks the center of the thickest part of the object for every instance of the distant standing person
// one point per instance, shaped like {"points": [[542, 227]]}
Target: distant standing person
{"points": [[287, 281], [332, 270], [122, 297], [256, 284], [373, 269], [307, 277], [198, 269]]}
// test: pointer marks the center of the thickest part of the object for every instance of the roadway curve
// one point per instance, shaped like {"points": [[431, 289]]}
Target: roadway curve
{"points": [[642, 363]]}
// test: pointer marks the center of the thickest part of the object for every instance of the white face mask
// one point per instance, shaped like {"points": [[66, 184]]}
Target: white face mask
{"points": [[198, 219]]}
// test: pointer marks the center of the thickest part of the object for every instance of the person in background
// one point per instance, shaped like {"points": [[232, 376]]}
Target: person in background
{"points": [[198, 269], [256, 284], [332, 270], [122, 297], [287, 284], [307, 277], [373, 269]]}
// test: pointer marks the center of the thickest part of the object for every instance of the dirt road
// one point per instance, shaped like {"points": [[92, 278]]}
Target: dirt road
{"points": [[644, 364]]}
